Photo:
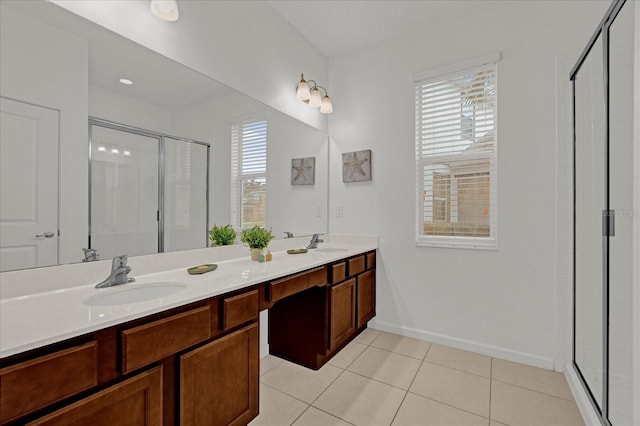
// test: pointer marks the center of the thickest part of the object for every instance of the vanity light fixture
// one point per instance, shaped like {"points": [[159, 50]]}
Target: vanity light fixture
{"points": [[126, 152], [102, 148], [126, 81], [165, 9], [312, 95], [115, 150]]}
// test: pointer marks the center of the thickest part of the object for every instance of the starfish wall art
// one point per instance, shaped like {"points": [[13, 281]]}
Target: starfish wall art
{"points": [[356, 166], [303, 171]]}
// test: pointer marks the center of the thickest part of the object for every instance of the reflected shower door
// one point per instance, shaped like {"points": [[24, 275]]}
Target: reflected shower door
{"points": [[621, 115], [590, 196], [124, 192], [185, 192]]}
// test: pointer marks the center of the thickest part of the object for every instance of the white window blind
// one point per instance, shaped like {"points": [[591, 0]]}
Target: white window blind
{"points": [[456, 117], [249, 173]]}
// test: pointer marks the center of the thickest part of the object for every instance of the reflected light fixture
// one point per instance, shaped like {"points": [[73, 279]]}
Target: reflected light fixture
{"points": [[126, 81], [312, 96], [102, 148], [165, 9], [115, 150]]}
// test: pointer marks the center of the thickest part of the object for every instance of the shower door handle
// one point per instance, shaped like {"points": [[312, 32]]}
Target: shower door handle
{"points": [[45, 234], [608, 223]]}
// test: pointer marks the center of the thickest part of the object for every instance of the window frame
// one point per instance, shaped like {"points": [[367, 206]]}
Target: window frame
{"points": [[451, 241]]}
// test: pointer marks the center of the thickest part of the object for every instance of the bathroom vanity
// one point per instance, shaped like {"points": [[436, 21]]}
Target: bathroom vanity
{"points": [[194, 363]]}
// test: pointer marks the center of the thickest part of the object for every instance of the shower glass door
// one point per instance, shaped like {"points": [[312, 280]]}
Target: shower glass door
{"points": [[590, 198], [185, 194], [124, 193], [621, 110]]}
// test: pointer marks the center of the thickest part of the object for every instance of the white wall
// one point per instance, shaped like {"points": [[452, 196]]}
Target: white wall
{"points": [[25, 44], [499, 302], [246, 45], [108, 105]]}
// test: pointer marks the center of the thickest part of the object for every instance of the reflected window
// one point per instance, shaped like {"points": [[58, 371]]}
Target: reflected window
{"points": [[249, 173]]}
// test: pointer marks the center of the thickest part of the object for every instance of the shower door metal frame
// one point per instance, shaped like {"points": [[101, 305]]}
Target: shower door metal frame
{"points": [[608, 215], [161, 137]]}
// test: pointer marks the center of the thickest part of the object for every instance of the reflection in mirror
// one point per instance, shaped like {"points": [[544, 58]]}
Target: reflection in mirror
{"points": [[58, 69]]}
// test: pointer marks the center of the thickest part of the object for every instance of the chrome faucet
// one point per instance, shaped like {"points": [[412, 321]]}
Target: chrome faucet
{"points": [[314, 241], [119, 271], [90, 255]]}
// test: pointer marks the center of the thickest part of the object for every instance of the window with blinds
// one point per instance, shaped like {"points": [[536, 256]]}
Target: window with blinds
{"points": [[248, 173], [456, 116]]}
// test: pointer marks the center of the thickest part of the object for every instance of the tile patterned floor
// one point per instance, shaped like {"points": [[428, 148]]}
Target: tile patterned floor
{"points": [[385, 379]]}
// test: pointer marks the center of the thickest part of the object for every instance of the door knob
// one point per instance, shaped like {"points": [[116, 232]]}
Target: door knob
{"points": [[45, 234]]}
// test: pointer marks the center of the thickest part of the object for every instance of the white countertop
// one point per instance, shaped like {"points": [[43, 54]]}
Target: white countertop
{"points": [[34, 320]]}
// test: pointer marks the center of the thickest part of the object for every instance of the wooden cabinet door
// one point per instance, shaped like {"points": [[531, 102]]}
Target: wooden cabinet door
{"points": [[343, 316], [219, 381], [136, 401], [366, 291]]}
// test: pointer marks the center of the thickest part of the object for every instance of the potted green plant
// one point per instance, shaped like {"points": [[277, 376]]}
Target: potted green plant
{"points": [[222, 235], [257, 238]]}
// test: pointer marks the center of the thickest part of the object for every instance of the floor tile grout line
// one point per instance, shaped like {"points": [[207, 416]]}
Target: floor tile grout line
{"points": [[534, 390], [448, 405], [328, 386], [332, 415], [300, 415], [399, 407], [399, 353], [424, 358], [457, 369], [408, 389], [377, 380], [354, 360], [285, 393]]}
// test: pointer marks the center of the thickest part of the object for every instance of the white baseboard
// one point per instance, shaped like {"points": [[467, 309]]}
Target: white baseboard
{"points": [[467, 345], [589, 414]]}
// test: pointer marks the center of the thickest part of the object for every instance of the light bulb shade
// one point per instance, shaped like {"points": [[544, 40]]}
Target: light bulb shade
{"points": [[302, 92], [165, 9], [326, 107], [315, 100]]}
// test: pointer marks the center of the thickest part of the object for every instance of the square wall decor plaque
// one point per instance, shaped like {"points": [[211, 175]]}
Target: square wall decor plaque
{"points": [[303, 171], [356, 166]]}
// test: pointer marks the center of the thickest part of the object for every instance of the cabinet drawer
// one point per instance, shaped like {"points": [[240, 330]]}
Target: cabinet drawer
{"points": [[153, 341], [356, 265], [371, 260], [30, 385], [338, 272], [136, 401], [239, 309], [284, 287]]}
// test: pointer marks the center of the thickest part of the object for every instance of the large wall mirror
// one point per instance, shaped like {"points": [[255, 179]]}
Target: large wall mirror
{"points": [[59, 70]]}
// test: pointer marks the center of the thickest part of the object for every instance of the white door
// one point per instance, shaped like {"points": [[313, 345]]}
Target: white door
{"points": [[28, 185]]}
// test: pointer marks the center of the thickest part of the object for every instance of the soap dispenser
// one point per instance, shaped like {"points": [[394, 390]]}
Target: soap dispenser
{"points": [[268, 257]]}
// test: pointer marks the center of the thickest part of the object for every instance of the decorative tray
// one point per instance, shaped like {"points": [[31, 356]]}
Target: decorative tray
{"points": [[202, 269]]}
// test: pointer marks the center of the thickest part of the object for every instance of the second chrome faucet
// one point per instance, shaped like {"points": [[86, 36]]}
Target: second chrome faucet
{"points": [[118, 275], [314, 241]]}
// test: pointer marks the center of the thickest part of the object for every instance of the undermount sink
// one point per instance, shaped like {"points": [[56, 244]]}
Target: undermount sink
{"points": [[330, 249], [134, 294]]}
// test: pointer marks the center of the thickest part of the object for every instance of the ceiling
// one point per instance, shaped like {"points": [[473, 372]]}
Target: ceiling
{"points": [[157, 79], [338, 27]]}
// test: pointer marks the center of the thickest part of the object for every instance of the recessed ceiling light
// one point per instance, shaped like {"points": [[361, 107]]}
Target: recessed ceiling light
{"points": [[102, 148], [126, 81], [126, 152], [115, 150]]}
